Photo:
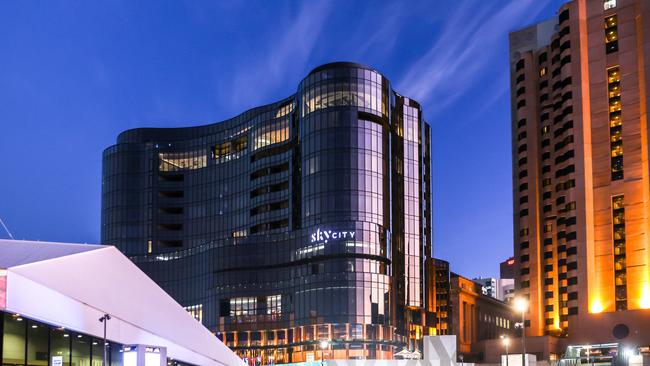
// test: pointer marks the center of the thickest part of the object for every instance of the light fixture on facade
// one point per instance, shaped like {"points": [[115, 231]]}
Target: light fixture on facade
{"points": [[645, 297], [596, 307]]}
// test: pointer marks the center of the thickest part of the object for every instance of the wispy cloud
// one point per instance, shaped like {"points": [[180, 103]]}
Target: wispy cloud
{"points": [[377, 38], [284, 54], [458, 58]]}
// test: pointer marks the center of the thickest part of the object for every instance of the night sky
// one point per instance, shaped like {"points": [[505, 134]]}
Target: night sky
{"points": [[74, 74]]}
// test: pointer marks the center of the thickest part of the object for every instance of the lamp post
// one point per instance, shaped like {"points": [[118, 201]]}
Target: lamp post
{"points": [[323, 345], [104, 319], [506, 342], [521, 305]]}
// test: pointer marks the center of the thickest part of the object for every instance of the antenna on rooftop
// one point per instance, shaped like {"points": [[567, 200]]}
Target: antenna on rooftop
{"points": [[6, 229]]}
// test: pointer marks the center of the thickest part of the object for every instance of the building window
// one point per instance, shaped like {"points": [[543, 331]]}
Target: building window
{"points": [[620, 268], [190, 160], [14, 339], [523, 161], [37, 343], [520, 65], [230, 150], [271, 134], [243, 306], [521, 103], [611, 34], [543, 57], [564, 16], [274, 304], [542, 71], [522, 148], [196, 311], [609, 4]]}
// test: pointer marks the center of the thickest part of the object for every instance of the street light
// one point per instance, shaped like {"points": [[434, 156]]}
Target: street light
{"points": [[324, 344], [506, 342], [104, 319], [521, 305]]}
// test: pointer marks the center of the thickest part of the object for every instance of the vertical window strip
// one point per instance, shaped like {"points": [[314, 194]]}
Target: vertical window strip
{"points": [[611, 34], [618, 236], [615, 122]]}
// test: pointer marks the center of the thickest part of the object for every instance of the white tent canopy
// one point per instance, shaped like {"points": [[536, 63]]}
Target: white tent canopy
{"points": [[73, 285]]}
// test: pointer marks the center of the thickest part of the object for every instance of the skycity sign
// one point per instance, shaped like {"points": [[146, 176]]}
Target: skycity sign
{"points": [[323, 236]]}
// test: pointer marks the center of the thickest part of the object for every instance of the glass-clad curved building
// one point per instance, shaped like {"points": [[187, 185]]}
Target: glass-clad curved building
{"points": [[298, 221]]}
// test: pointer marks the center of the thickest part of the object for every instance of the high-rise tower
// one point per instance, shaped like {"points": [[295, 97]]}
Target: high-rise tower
{"points": [[579, 89]]}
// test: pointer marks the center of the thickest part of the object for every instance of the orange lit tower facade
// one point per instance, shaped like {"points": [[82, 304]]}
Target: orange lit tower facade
{"points": [[580, 171]]}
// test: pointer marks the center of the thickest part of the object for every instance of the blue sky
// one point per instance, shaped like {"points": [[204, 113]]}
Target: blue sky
{"points": [[74, 74]]}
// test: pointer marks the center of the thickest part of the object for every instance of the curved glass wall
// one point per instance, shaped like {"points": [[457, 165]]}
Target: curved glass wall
{"points": [[344, 86]]}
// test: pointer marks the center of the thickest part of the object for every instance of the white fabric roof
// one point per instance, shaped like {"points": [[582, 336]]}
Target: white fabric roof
{"points": [[75, 284], [18, 252]]}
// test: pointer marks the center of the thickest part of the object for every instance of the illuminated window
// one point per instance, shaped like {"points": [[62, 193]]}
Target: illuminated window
{"points": [[611, 34], [230, 150], [243, 306], [542, 71], [283, 111], [196, 311], [274, 304], [240, 233], [271, 134], [149, 247], [609, 4], [189, 160], [366, 94]]}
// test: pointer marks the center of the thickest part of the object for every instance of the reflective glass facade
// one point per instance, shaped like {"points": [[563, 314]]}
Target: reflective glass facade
{"points": [[297, 221]]}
